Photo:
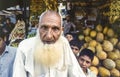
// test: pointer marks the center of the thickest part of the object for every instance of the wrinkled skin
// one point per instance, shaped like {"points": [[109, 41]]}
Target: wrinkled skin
{"points": [[50, 28]]}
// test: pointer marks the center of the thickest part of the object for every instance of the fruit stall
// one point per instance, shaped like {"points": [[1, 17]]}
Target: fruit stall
{"points": [[98, 23], [101, 32], [104, 40]]}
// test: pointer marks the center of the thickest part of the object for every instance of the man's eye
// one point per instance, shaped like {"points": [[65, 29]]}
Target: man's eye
{"points": [[81, 59], [87, 62], [56, 28], [44, 27]]}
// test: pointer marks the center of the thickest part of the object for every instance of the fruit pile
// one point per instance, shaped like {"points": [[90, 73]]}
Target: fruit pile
{"points": [[103, 41]]}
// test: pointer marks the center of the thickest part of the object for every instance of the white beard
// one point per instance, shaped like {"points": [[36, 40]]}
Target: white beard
{"points": [[48, 54]]}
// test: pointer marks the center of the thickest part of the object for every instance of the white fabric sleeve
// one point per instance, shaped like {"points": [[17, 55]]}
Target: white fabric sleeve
{"points": [[74, 69], [19, 68]]}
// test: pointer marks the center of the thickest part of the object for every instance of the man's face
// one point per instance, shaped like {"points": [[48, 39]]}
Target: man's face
{"points": [[75, 49], [69, 37], [84, 62], [50, 28]]}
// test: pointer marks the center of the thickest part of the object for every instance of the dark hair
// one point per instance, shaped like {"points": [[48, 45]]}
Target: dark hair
{"points": [[19, 17], [68, 34], [8, 19], [87, 52], [76, 42], [75, 35]]}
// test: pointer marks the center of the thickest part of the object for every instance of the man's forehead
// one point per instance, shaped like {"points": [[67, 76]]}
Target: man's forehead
{"points": [[50, 20], [49, 13]]}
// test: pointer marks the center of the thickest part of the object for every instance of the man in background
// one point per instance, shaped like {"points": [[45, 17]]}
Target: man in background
{"points": [[68, 25], [7, 56], [8, 27]]}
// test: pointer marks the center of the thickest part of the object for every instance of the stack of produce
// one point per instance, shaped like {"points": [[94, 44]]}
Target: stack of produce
{"points": [[103, 41]]}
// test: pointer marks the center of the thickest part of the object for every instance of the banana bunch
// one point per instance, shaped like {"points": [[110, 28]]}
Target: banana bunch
{"points": [[114, 11], [18, 32], [51, 4], [112, 19]]}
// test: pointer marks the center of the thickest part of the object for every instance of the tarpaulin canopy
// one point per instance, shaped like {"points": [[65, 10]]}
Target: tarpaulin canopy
{"points": [[9, 3]]}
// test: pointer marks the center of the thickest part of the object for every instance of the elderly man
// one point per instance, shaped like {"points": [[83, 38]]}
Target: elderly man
{"points": [[48, 54]]}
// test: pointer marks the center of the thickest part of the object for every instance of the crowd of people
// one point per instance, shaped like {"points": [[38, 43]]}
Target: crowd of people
{"points": [[8, 26], [49, 53], [12, 30]]}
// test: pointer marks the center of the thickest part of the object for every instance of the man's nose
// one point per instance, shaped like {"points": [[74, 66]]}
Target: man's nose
{"points": [[49, 34], [84, 63]]}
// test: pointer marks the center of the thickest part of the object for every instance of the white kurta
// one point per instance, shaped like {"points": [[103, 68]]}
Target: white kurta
{"points": [[24, 65], [90, 73]]}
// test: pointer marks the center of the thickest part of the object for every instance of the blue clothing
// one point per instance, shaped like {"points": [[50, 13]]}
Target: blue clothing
{"points": [[6, 61], [68, 26]]}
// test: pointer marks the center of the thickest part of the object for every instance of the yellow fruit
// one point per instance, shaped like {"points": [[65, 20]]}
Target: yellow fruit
{"points": [[85, 45], [118, 45], [117, 52], [98, 47], [86, 31], [99, 28], [103, 72], [109, 64], [110, 32], [88, 39], [92, 43], [81, 37], [94, 70], [95, 61], [115, 73], [118, 64], [93, 33], [101, 55], [112, 55], [107, 46], [105, 30], [114, 41], [100, 37]]}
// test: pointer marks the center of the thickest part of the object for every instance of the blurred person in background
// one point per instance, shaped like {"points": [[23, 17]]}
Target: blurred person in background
{"points": [[48, 54], [69, 36], [7, 56], [68, 25], [75, 46], [8, 27]]}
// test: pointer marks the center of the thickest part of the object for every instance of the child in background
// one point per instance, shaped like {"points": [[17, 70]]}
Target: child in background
{"points": [[69, 36], [75, 46], [85, 59]]}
